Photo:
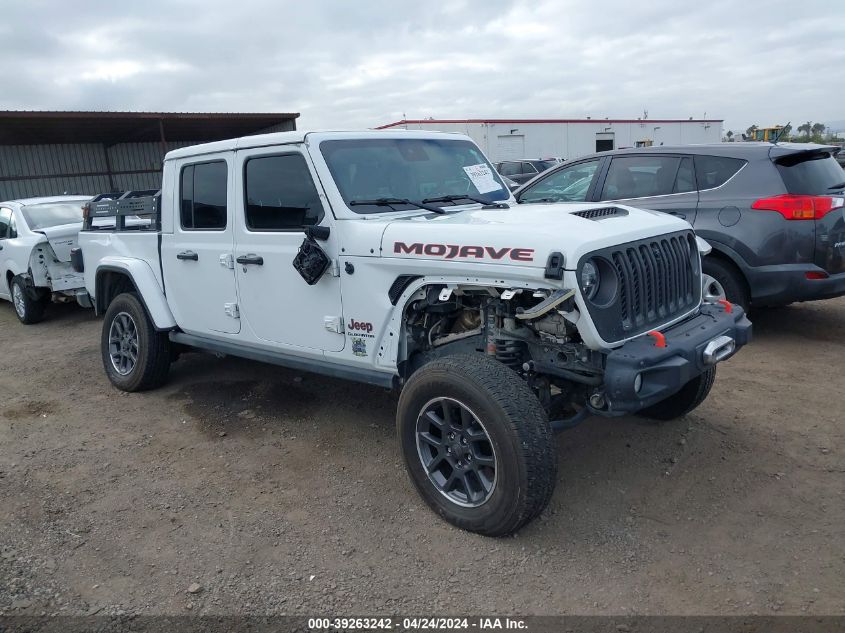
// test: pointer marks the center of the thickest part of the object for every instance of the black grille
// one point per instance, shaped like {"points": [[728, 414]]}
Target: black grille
{"points": [[658, 280], [604, 212]]}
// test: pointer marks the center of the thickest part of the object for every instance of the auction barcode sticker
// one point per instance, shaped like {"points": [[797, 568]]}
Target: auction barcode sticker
{"points": [[482, 178]]}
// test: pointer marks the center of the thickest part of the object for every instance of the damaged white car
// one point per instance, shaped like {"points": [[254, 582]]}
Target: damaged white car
{"points": [[36, 238]]}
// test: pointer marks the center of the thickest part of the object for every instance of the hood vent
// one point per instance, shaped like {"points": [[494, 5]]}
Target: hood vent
{"points": [[600, 214]]}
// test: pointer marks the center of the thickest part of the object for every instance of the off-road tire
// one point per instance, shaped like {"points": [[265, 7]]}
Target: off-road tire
{"points": [[518, 428], [33, 309], [688, 398], [736, 289], [153, 355]]}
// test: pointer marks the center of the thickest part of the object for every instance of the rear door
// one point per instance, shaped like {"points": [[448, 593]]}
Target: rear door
{"points": [[818, 174], [663, 182], [196, 259]]}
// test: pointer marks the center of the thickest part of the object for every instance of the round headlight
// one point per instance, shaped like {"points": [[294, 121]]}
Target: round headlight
{"points": [[589, 279]]}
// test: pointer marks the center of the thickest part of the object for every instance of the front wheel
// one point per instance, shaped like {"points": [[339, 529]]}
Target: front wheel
{"points": [[477, 444], [27, 309], [688, 398], [135, 356]]}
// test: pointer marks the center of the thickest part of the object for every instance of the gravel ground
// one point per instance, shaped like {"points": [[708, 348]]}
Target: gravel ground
{"points": [[244, 488]]}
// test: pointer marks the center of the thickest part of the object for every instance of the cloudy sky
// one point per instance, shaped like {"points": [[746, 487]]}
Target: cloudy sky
{"points": [[368, 62]]}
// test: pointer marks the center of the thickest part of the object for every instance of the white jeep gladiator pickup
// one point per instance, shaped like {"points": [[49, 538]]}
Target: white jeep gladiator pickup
{"points": [[398, 258]]}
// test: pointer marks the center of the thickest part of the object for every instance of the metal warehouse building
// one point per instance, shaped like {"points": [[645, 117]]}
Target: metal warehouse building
{"points": [[51, 153], [511, 139]]}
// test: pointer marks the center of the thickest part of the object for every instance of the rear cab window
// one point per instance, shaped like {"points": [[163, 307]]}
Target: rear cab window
{"points": [[203, 196], [811, 173]]}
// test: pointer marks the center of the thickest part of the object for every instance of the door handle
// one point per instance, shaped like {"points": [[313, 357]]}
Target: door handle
{"points": [[679, 214], [188, 255], [253, 259]]}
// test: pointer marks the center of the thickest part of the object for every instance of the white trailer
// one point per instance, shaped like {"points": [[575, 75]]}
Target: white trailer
{"points": [[513, 139]]}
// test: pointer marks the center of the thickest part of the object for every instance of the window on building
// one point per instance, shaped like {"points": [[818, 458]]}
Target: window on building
{"points": [[280, 194], [204, 188]]}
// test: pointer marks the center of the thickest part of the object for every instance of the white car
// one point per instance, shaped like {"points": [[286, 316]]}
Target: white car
{"points": [[400, 259], [36, 238]]}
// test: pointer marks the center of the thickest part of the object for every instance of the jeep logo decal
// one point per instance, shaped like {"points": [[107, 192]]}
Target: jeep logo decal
{"points": [[361, 326], [450, 251]]}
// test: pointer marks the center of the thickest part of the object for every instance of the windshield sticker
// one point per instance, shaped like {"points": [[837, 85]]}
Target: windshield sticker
{"points": [[482, 178]]}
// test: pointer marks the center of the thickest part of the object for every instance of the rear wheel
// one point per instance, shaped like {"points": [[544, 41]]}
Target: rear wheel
{"points": [[27, 309], [135, 356], [688, 398], [721, 280], [477, 444]]}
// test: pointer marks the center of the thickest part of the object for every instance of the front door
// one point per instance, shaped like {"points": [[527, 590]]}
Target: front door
{"points": [[277, 199], [196, 258]]}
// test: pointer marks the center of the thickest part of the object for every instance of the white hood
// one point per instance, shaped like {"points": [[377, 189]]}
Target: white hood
{"points": [[523, 235], [62, 238]]}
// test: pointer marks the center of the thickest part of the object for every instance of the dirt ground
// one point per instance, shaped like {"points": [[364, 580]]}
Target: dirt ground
{"points": [[245, 488]]}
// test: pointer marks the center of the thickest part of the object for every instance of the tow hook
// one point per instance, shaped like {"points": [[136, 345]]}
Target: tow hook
{"points": [[718, 349]]}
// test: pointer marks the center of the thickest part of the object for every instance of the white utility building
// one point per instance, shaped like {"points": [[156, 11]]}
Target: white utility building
{"points": [[511, 139]]}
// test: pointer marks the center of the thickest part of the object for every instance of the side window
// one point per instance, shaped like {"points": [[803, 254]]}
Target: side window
{"points": [[509, 169], [279, 194], [203, 188], [640, 177], [714, 171], [5, 224], [528, 169], [685, 180], [569, 184]]}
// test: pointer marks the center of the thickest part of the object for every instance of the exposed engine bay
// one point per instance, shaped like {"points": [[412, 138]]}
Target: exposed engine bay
{"points": [[530, 331]]}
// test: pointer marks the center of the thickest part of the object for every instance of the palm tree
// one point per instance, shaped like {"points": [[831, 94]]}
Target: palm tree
{"points": [[807, 128], [730, 135], [750, 131], [818, 129]]}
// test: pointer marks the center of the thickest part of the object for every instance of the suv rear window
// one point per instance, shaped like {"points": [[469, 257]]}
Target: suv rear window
{"points": [[815, 173], [715, 171]]}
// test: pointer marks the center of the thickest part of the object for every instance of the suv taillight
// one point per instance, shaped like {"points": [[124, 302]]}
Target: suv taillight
{"points": [[797, 207]]}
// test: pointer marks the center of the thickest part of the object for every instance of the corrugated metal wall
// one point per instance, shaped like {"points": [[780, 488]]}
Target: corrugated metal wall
{"points": [[46, 170], [27, 171]]}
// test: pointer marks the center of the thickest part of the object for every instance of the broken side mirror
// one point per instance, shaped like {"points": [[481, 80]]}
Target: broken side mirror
{"points": [[311, 261]]}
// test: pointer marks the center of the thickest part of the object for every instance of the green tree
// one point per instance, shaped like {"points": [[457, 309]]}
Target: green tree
{"points": [[807, 128], [785, 132], [730, 135], [818, 130], [750, 131]]}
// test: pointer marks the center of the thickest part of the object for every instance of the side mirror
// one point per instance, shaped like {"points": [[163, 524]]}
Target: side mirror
{"points": [[311, 261], [318, 232]]}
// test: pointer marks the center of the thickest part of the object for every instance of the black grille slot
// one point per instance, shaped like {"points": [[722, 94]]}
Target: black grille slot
{"points": [[658, 281], [399, 285], [604, 212]]}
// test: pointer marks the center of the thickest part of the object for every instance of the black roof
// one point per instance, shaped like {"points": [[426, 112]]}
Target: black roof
{"points": [[35, 127], [743, 149]]}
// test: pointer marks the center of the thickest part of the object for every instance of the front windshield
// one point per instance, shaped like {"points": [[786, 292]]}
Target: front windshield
{"points": [[410, 169], [43, 216]]}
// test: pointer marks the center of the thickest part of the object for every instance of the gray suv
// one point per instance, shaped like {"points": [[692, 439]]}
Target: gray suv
{"points": [[773, 213]]}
